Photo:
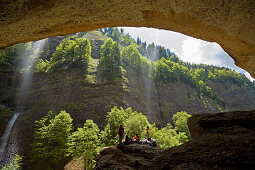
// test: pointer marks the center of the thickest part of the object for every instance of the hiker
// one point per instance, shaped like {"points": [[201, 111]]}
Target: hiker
{"points": [[147, 131], [145, 141], [127, 140], [121, 133], [152, 142], [136, 138]]}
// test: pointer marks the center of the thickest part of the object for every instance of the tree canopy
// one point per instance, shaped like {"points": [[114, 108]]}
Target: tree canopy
{"points": [[109, 64]]}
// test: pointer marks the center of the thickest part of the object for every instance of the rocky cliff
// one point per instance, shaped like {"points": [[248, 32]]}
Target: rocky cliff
{"points": [[219, 141]]}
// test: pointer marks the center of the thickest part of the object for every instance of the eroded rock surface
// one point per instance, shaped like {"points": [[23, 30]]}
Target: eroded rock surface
{"points": [[229, 23], [219, 141]]}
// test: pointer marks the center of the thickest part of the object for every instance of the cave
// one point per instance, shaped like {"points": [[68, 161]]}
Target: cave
{"points": [[230, 24]]}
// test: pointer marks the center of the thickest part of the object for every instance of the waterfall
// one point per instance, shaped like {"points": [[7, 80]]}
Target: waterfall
{"points": [[6, 134], [9, 146]]}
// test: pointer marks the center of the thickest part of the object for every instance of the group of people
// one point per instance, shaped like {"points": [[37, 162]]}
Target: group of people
{"points": [[136, 139]]}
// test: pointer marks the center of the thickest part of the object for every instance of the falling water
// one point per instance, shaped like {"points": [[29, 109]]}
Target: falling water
{"points": [[9, 148], [6, 134]]}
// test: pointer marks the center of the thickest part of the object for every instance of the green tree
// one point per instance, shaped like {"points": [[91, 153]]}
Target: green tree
{"points": [[11, 57], [116, 35], [151, 48], [126, 40], [180, 122], [132, 58], [42, 66], [114, 118], [167, 137], [85, 142], [51, 138], [71, 53], [109, 64], [136, 124]]}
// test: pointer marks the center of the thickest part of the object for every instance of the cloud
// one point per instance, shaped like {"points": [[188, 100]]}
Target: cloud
{"points": [[187, 48], [249, 76]]}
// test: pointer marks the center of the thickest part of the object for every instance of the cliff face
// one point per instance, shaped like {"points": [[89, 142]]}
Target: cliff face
{"points": [[159, 101], [219, 141]]}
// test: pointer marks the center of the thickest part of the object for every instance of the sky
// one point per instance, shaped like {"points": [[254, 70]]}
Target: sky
{"points": [[187, 48]]}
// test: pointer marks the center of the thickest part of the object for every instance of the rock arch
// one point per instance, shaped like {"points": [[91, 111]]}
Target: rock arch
{"points": [[229, 23]]}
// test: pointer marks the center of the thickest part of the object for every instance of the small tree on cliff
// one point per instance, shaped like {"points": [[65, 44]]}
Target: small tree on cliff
{"points": [[85, 142], [109, 64], [51, 138], [70, 54], [180, 121]]}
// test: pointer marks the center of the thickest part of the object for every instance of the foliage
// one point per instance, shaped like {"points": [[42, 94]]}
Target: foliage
{"points": [[15, 164], [170, 71], [11, 57], [42, 66], [157, 52], [166, 70], [116, 35], [131, 56], [109, 64], [136, 124], [114, 118], [85, 142], [51, 137], [167, 137], [180, 123], [71, 53]]}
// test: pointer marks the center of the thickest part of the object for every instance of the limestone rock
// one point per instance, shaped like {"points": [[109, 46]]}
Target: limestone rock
{"points": [[229, 23]]}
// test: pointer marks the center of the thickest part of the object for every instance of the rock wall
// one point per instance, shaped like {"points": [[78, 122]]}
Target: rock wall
{"points": [[229, 23]]}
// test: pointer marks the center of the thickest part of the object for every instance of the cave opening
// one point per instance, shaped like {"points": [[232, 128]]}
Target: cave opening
{"points": [[165, 81]]}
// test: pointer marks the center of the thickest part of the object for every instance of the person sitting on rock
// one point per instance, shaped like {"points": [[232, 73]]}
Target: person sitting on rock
{"points": [[136, 138], [127, 140], [152, 142], [145, 141], [131, 140]]}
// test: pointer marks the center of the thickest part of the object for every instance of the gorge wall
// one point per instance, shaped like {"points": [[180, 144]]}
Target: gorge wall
{"points": [[229, 23]]}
